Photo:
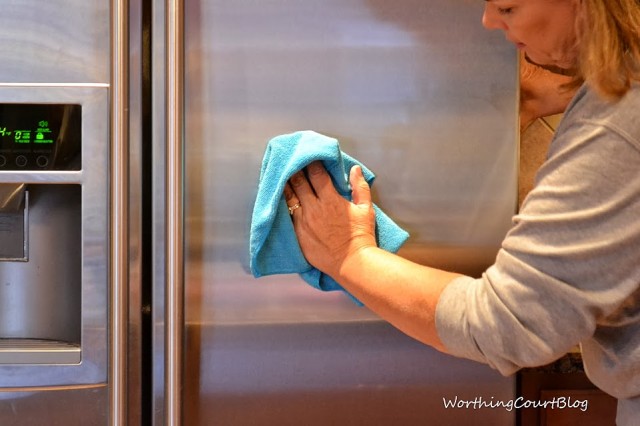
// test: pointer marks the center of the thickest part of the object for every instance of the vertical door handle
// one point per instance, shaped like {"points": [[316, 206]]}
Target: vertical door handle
{"points": [[174, 291], [119, 214]]}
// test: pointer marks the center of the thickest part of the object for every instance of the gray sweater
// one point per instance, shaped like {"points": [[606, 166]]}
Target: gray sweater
{"points": [[568, 271]]}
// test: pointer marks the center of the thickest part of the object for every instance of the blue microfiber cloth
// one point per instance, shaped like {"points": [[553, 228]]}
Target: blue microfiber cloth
{"points": [[274, 247]]}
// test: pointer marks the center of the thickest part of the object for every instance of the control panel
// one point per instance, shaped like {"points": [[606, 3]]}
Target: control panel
{"points": [[40, 136]]}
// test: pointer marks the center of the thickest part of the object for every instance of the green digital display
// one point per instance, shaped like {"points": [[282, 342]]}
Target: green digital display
{"points": [[39, 136], [42, 134]]}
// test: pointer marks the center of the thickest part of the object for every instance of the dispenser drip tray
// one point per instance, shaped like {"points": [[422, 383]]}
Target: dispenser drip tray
{"points": [[38, 351]]}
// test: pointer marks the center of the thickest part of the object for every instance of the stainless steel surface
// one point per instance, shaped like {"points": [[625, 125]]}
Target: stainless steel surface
{"points": [[67, 224], [39, 351], [65, 280], [426, 98], [54, 41], [61, 406], [119, 214], [57, 51], [41, 177], [174, 293], [356, 373]]}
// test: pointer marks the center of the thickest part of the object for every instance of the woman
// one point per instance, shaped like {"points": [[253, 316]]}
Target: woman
{"points": [[569, 269]]}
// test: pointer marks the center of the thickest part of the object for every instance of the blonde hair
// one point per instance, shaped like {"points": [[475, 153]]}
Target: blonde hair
{"points": [[609, 40]]}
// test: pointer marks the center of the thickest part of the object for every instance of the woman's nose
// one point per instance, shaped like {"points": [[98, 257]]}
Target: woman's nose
{"points": [[491, 19]]}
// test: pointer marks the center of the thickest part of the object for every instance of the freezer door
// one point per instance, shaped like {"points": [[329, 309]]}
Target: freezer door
{"points": [[416, 90]]}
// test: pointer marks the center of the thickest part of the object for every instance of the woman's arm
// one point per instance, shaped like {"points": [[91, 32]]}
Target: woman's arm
{"points": [[402, 292]]}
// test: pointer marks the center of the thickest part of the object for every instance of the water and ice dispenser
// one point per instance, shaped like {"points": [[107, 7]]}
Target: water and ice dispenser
{"points": [[53, 235]]}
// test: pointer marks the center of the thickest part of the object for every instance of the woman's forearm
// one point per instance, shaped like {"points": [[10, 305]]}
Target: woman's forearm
{"points": [[401, 292]]}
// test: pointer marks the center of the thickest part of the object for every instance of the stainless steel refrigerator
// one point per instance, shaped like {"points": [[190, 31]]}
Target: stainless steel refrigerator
{"points": [[131, 138]]}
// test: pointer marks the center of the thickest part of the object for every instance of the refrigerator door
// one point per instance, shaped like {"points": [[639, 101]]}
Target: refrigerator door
{"points": [[54, 338], [420, 93]]}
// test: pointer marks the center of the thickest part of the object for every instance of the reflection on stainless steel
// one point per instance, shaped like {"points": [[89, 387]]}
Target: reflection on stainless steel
{"points": [[426, 98]]}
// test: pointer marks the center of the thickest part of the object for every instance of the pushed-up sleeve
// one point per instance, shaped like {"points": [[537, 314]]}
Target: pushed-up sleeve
{"points": [[569, 262]]}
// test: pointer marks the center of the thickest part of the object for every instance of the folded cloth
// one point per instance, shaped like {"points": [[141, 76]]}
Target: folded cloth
{"points": [[273, 246]]}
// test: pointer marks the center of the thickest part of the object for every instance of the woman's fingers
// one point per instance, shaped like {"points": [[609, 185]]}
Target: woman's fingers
{"points": [[302, 188], [289, 195], [361, 192], [320, 180], [315, 184], [293, 203]]}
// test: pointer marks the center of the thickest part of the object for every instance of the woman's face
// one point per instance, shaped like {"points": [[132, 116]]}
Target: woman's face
{"points": [[544, 29]]}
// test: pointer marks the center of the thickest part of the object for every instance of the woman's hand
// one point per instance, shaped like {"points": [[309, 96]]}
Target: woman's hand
{"points": [[330, 228], [337, 237]]}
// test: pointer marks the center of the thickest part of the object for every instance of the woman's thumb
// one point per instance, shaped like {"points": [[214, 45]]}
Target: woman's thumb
{"points": [[361, 193]]}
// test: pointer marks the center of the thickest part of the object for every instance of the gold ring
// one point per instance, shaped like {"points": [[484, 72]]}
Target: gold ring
{"points": [[294, 207]]}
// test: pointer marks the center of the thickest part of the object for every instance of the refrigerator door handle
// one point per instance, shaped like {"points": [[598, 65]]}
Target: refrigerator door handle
{"points": [[119, 214], [174, 291]]}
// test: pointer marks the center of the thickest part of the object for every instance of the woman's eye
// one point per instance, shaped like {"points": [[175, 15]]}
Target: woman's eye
{"points": [[505, 10]]}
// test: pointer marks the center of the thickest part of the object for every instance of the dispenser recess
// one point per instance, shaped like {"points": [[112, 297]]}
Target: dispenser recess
{"points": [[40, 273], [54, 204]]}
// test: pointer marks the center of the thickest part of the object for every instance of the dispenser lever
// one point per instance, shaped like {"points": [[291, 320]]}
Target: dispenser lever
{"points": [[14, 211], [11, 196]]}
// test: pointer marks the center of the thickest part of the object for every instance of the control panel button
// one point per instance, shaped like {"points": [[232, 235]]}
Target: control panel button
{"points": [[21, 161], [42, 161]]}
